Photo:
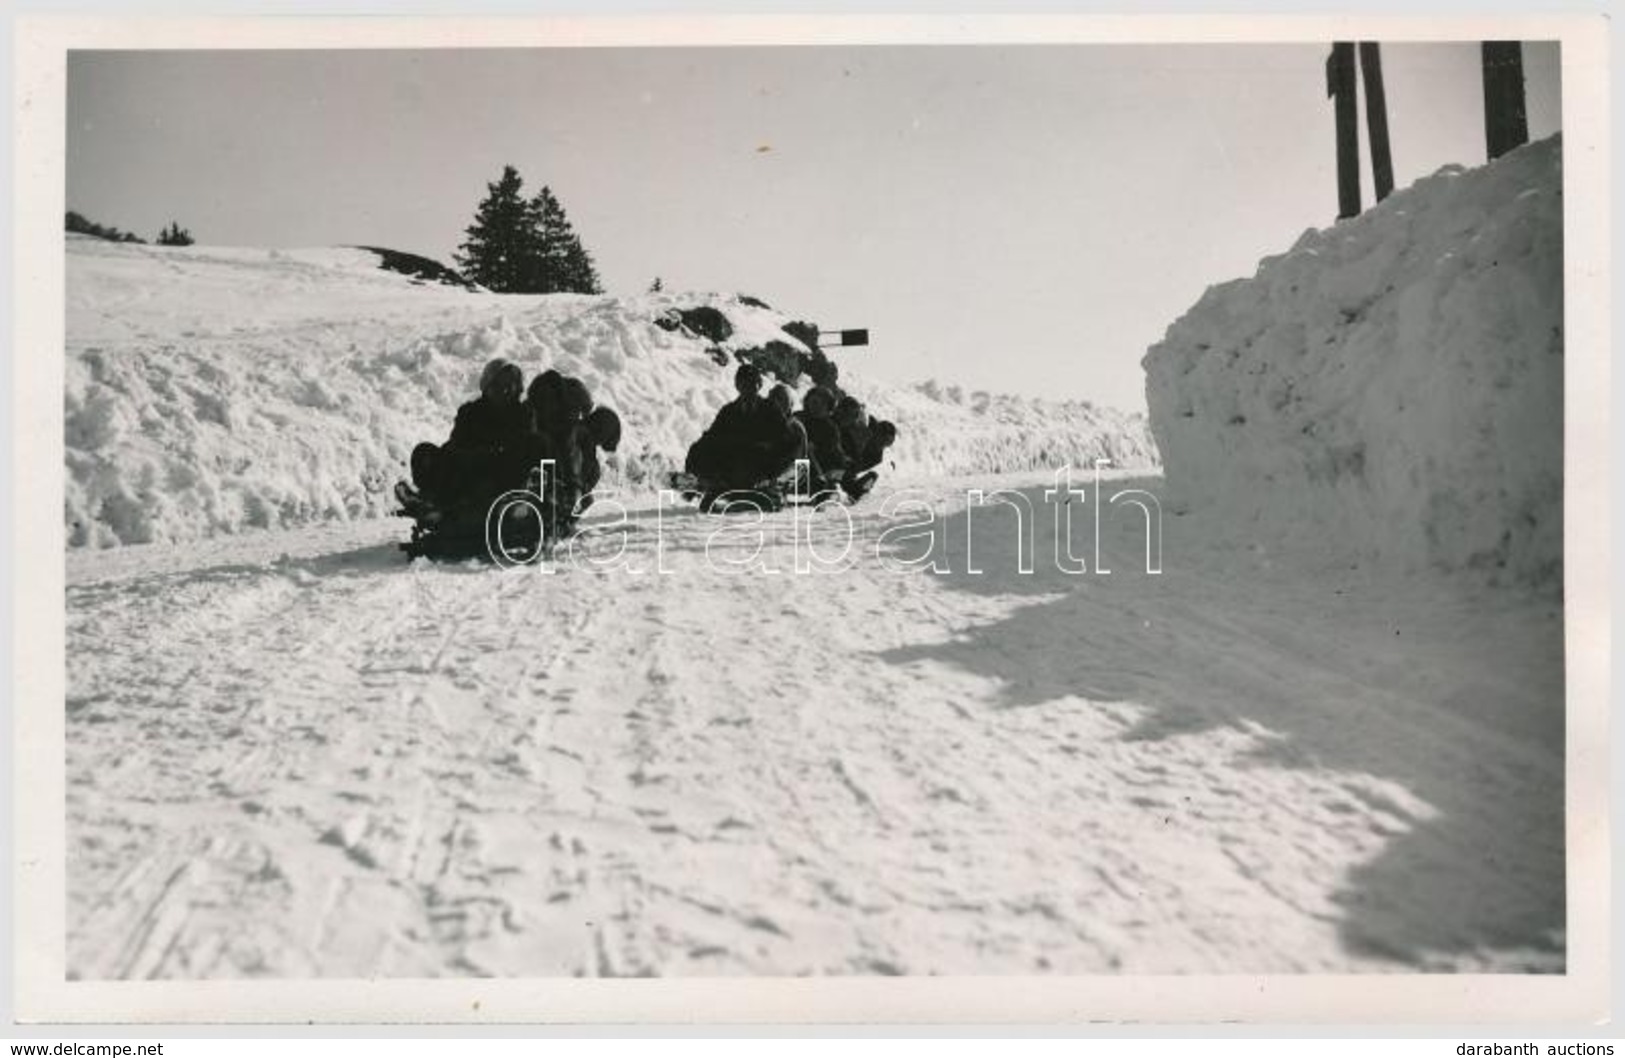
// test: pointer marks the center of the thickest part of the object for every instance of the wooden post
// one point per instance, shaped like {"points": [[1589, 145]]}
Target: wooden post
{"points": [[1376, 119], [1340, 86], [1506, 124]]}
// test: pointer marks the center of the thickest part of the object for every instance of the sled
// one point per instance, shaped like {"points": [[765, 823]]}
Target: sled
{"points": [[764, 497], [459, 534]]}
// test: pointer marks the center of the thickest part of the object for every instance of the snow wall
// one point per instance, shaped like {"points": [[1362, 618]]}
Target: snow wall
{"points": [[1391, 388], [210, 390]]}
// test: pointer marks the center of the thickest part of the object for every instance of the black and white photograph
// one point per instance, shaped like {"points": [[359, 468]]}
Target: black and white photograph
{"points": [[827, 509]]}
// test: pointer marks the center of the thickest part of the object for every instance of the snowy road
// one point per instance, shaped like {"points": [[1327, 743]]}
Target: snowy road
{"points": [[295, 754]]}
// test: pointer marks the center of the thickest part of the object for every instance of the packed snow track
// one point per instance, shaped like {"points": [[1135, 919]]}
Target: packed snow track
{"points": [[295, 753]]}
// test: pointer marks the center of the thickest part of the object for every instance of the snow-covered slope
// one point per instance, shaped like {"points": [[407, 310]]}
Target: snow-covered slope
{"points": [[210, 390], [1392, 387], [291, 754]]}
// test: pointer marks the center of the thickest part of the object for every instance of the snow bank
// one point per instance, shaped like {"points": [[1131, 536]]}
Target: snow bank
{"points": [[1392, 387], [211, 390]]}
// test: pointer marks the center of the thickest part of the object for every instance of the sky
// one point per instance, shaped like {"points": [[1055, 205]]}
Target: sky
{"points": [[1024, 219]]}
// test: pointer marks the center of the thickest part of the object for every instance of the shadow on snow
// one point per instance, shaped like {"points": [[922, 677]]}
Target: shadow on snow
{"points": [[1203, 648]]}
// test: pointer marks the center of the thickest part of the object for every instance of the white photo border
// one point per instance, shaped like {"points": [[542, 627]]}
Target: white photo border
{"points": [[44, 994]]}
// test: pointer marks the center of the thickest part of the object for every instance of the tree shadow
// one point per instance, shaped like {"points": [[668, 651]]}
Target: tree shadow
{"points": [[1470, 869]]}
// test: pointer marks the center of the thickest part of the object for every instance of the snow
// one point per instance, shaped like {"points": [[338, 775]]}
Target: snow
{"points": [[1390, 389], [212, 390], [294, 753]]}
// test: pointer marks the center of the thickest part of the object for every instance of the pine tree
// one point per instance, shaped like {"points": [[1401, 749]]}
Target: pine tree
{"points": [[501, 246], [525, 246], [563, 264], [174, 235], [582, 274]]}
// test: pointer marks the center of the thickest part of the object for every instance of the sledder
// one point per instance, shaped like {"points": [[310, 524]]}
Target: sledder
{"points": [[454, 484], [747, 458], [484, 488], [864, 442], [567, 431]]}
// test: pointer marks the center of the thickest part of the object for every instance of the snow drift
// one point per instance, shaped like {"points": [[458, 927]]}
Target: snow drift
{"points": [[1392, 387], [210, 390]]}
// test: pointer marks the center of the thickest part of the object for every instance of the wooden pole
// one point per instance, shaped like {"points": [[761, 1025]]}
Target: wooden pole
{"points": [[1376, 119], [1340, 86], [1506, 124]]}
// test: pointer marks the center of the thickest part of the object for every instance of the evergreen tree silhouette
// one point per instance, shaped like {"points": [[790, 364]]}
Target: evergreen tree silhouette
{"points": [[500, 247], [174, 235], [563, 264], [525, 246]]}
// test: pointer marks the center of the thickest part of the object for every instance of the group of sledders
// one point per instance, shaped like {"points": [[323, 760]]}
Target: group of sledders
{"points": [[759, 449], [544, 442]]}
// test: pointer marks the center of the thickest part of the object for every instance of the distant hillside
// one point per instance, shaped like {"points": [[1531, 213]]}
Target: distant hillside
{"points": [[78, 224]]}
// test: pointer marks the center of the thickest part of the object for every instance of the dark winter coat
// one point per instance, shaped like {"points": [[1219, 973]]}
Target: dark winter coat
{"points": [[592, 470], [872, 451], [744, 444], [761, 423], [824, 442], [563, 443], [483, 425], [855, 437]]}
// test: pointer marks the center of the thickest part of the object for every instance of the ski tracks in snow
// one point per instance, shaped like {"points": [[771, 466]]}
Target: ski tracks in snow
{"points": [[329, 762]]}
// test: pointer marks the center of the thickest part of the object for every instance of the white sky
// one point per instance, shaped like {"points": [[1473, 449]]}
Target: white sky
{"points": [[1023, 219]]}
